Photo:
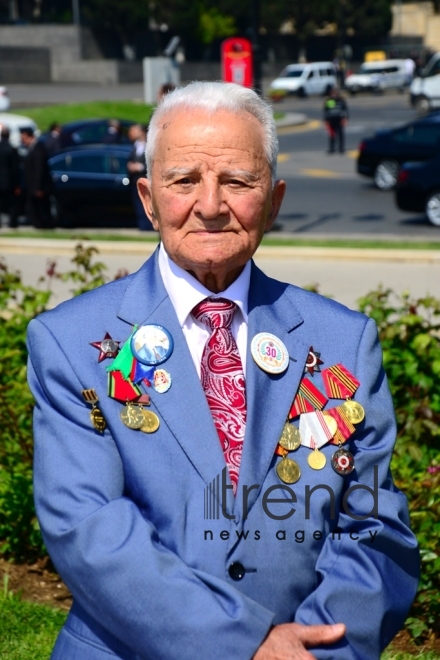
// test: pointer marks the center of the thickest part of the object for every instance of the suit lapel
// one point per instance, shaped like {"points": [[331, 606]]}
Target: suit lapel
{"points": [[269, 397], [183, 408]]}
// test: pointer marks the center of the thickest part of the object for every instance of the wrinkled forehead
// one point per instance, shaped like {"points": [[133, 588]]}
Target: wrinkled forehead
{"points": [[185, 129]]}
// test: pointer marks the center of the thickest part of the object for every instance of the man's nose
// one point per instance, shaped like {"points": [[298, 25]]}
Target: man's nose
{"points": [[210, 201]]}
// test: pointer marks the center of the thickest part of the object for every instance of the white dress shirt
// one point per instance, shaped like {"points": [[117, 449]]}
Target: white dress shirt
{"points": [[186, 292]]}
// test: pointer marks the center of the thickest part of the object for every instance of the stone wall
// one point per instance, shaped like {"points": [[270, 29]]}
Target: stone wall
{"points": [[417, 19], [24, 65]]}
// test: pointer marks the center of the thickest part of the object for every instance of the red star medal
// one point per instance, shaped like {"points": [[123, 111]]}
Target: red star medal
{"points": [[313, 361], [108, 347]]}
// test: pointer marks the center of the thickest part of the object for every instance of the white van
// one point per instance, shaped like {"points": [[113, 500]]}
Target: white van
{"points": [[306, 79], [377, 77], [15, 123], [425, 89]]}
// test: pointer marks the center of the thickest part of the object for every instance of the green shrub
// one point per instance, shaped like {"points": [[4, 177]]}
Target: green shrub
{"points": [[409, 331]]}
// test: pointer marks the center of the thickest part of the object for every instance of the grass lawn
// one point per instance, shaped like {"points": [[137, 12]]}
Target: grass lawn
{"points": [[28, 632], [93, 110]]}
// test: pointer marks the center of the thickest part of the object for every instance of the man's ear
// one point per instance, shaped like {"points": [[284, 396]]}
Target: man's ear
{"points": [[144, 192], [278, 193]]}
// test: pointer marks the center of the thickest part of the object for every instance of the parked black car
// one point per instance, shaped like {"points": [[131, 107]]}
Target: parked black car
{"points": [[381, 156], [91, 186], [418, 189], [91, 131]]}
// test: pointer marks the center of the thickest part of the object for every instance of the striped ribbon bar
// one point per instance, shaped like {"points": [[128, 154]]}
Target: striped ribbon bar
{"points": [[120, 389], [345, 427], [339, 383], [307, 399], [314, 430]]}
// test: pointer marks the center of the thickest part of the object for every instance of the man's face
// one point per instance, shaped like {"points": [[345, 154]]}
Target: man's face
{"points": [[209, 193]]}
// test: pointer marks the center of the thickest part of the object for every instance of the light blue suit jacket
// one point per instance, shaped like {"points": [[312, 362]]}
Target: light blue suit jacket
{"points": [[129, 518]]}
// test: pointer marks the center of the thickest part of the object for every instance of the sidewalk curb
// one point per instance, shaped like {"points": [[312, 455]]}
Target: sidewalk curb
{"points": [[291, 119], [60, 247]]}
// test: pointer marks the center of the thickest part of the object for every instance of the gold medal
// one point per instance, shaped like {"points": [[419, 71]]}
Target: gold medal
{"points": [[98, 420], [288, 471], [354, 411], [316, 459], [331, 423], [132, 416], [150, 423], [290, 438]]}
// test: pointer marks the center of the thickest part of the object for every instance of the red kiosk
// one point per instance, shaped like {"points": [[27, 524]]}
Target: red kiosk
{"points": [[237, 61]]}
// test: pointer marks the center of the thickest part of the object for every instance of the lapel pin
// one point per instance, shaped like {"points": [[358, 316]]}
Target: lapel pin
{"points": [[269, 353], [151, 344]]}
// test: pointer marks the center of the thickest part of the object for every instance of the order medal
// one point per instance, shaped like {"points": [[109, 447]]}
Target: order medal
{"points": [[290, 437], [343, 462], [132, 416], [150, 423], [288, 471], [96, 416], [354, 411]]}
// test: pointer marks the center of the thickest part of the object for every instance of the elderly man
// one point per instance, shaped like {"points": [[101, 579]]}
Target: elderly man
{"points": [[213, 482]]}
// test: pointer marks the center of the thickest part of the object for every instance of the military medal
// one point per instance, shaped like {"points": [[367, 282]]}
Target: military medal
{"points": [[339, 383], [290, 437], [308, 399], [161, 381], [150, 422], [354, 411], [269, 353], [313, 361], [343, 462], [96, 416], [151, 344], [288, 471], [132, 416], [316, 459], [108, 347]]}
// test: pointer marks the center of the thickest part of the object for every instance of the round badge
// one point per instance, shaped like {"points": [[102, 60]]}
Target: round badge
{"points": [[269, 353], [161, 381], [343, 462], [152, 344], [288, 471], [151, 422], [290, 437], [316, 459], [354, 411]]}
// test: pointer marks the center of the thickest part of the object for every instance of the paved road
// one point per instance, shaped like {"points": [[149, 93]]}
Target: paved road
{"points": [[346, 275], [325, 195]]}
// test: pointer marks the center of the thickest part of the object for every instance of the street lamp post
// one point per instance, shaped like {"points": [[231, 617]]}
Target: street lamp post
{"points": [[75, 12], [256, 47]]}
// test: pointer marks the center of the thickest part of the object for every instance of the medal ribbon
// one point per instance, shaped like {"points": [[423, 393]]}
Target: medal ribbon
{"points": [[314, 430], [307, 399], [339, 383], [345, 427]]}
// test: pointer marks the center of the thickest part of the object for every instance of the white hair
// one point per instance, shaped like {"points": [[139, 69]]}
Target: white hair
{"points": [[214, 96]]}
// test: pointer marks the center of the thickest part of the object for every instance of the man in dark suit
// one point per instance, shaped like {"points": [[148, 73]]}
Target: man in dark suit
{"points": [[9, 178], [230, 497], [137, 170], [38, 182]]}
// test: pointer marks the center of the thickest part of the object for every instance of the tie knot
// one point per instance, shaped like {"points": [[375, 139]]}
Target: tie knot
{"points": [[215, 312]]}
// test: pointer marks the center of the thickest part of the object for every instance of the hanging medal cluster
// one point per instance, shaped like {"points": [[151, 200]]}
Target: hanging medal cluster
{"points": [[135, 368], [318, 427]]}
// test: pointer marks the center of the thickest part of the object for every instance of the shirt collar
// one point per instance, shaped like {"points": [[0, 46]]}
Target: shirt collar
{"points": [[185, 291]]}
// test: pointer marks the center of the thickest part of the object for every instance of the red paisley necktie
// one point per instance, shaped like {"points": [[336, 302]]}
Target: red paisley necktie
{"points": [[223, 379]]}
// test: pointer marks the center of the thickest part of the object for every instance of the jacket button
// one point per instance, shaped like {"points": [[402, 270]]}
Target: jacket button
{"points": [[236, 571]]}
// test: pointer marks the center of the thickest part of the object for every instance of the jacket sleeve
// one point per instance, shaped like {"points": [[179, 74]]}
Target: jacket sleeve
{"points": [[367, 583], [108, 553]]}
